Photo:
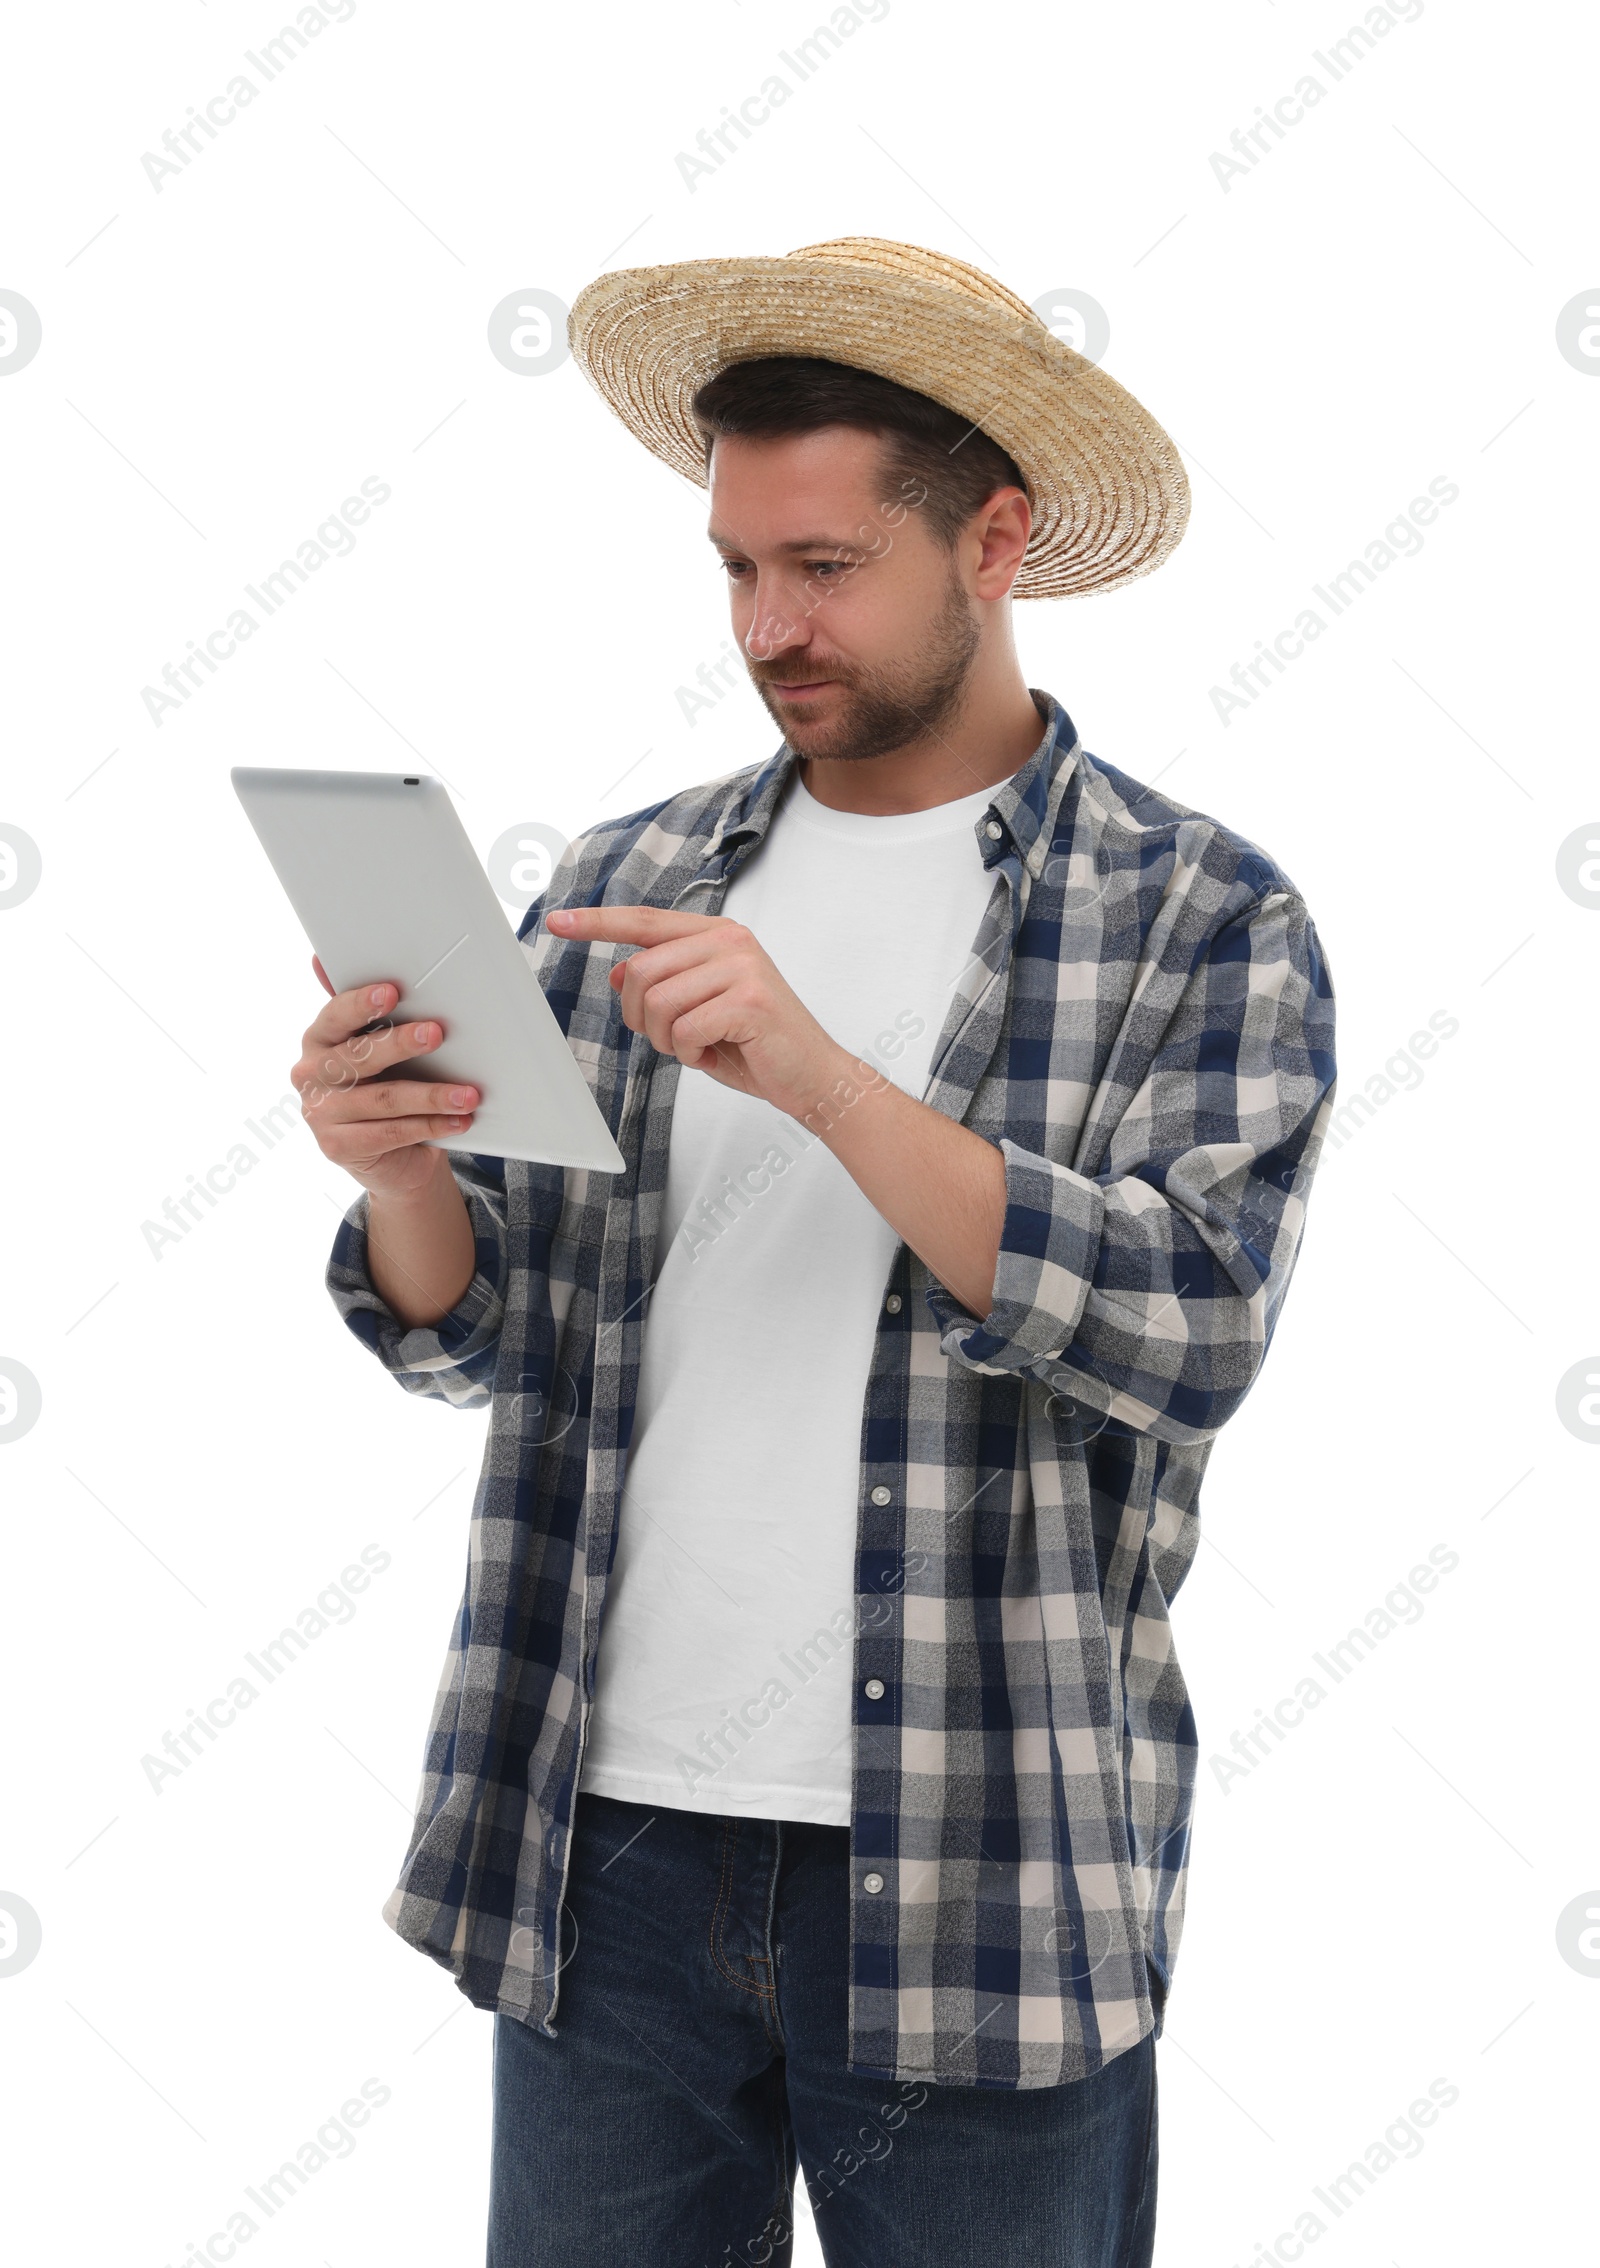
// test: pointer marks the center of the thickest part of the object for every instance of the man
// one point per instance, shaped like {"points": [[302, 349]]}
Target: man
{"points": [[810, 1778]]}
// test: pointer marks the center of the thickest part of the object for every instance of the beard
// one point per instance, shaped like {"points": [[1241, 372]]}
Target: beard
{"points": [[880, 710]]}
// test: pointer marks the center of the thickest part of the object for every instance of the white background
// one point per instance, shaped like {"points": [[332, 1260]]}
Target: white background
{"points": [[223, 360]]}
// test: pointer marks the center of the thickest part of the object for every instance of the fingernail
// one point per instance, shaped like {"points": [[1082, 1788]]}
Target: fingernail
{"points": [[560, 918], [461, 1094], [378, 995], [420, 1032]]}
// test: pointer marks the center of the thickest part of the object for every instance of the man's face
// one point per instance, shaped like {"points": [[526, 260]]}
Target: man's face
{"points": [[856, 624]]}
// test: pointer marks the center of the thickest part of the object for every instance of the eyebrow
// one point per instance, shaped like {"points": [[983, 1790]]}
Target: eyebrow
{"points": [[795, 543]]}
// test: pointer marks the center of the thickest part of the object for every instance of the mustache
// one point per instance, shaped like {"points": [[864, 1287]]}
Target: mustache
{"points": [[806, 676]]}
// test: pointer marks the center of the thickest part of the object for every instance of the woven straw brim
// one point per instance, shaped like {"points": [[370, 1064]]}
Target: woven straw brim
{"points": [[1107, 487]]}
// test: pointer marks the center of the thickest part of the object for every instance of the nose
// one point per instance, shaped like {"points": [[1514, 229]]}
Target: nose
{"points": [[773, 628]]}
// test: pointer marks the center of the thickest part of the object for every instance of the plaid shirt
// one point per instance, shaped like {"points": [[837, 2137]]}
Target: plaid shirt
{"points": [[1145, 1030]]}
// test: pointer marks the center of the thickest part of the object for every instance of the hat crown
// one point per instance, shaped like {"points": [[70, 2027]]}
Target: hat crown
{"points": [[917, 264]]}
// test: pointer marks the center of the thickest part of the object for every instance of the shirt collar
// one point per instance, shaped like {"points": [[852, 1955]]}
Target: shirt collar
{"points": [[1024, 806]]}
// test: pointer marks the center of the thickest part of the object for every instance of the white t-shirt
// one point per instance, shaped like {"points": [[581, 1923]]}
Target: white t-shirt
{"points": [[723, 1681]]}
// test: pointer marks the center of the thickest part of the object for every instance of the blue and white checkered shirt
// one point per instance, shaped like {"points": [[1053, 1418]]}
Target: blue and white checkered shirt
{"points": [[1145, 1029]]}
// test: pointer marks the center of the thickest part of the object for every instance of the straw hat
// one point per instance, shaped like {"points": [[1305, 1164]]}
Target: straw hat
{"points": [[1108, 490]]}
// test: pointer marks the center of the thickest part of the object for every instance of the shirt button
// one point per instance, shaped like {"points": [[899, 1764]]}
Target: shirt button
{"points": [[892, 1303], [994, 830], [872, 1882], [874, 1689], [880, 1494]]}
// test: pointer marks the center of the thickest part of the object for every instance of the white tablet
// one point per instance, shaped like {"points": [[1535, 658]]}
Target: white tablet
{"points": [[387, 886]]}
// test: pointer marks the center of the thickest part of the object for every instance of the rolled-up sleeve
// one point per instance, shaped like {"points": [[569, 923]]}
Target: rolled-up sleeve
{"points": [[1149, 1290], [454, 1358]]}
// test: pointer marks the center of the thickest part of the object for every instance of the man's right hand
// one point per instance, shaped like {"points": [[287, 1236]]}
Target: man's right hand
{"points": [[376, 1128]]}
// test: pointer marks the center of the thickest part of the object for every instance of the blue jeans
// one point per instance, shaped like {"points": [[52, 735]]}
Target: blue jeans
{"points": [[700, 2050]]}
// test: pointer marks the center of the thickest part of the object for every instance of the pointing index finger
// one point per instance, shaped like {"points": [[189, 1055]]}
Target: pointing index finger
{"points": [[626, 925]]}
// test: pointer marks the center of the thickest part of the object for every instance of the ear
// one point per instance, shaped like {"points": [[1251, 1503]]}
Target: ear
{"points": [[1002, 526]]}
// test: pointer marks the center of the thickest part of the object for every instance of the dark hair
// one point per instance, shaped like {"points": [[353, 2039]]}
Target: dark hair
{"points": [[955, 464]]}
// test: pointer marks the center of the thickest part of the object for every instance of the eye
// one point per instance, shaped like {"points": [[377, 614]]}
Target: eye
{"points": [[734, 567]]}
